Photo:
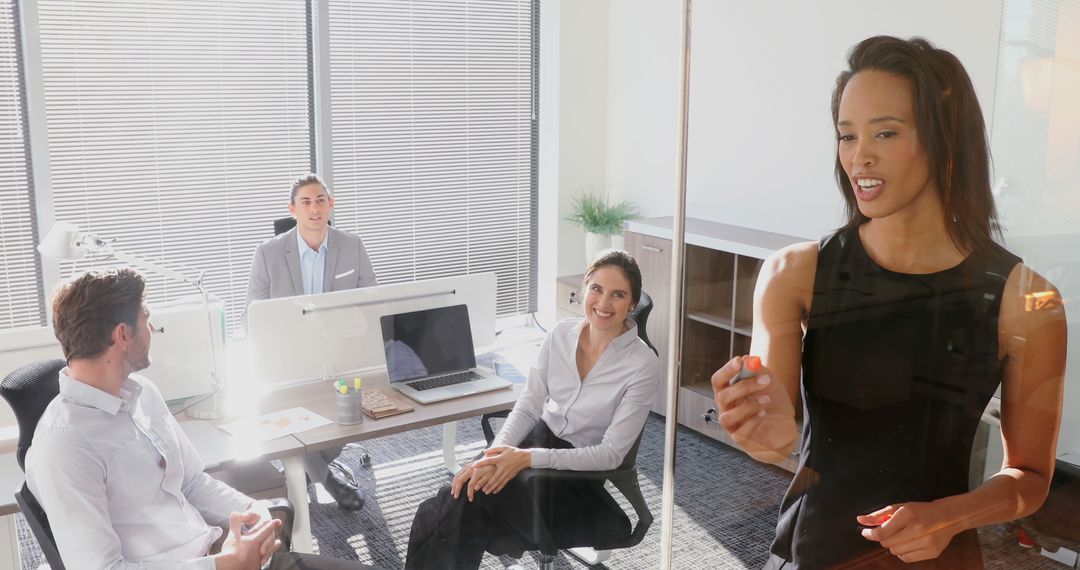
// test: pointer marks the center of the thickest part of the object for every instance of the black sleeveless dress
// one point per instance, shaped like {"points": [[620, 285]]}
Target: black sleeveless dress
{"points": [[897, 370]]}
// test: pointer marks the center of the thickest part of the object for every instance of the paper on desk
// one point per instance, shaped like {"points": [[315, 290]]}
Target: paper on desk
{"points": [[276, 424]]}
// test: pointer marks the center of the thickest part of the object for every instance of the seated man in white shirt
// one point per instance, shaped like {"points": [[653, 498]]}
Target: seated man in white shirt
{"points": [[119, 480]]}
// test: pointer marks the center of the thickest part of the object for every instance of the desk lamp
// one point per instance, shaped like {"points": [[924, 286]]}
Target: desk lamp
{"points": [[66, 242]]}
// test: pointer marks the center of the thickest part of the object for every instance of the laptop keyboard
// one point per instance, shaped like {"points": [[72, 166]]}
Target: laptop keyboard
{"points": [[442, 381]]}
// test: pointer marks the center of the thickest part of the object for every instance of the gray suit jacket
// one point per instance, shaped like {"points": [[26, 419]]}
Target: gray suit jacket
{"points": [[275, 272]]}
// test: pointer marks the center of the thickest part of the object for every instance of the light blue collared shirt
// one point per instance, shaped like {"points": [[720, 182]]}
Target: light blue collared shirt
{"points": [[312, 264]]}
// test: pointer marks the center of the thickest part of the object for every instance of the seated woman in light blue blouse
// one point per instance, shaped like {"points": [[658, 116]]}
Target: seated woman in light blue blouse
{"points": [[583, 407]]}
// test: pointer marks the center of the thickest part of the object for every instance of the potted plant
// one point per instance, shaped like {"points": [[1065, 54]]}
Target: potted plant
{"points": [[601, 220]]}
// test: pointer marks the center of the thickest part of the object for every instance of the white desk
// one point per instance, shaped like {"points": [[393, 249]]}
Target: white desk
{"points": [[320, 400]]}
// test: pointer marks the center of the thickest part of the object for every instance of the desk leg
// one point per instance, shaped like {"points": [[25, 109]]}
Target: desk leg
{"points": [[449, 440], [296, 487], [9, 544]]}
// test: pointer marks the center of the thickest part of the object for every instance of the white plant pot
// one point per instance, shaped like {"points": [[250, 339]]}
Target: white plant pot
{"points": [[618, 242], [594, 244]]}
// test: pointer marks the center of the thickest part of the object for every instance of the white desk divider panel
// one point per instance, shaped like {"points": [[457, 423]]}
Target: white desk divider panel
{"points": [[180, 358], [303, 338]]}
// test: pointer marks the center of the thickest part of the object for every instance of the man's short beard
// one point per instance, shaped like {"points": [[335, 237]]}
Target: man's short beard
{"points": [[141, 364]]}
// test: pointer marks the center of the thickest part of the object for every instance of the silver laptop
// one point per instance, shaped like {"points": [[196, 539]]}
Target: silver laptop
{"points": [[430, 358]]}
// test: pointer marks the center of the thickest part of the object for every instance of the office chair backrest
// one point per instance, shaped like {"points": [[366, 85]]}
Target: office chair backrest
{"points": [[640, 314], [29, 390], [282, 225]]}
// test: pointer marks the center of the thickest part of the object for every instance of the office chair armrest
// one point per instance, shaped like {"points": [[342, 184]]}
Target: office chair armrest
{"points": [[282, 509], [625, 479], [485, 424]]}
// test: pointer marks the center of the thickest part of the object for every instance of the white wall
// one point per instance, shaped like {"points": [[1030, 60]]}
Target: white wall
{"points": [[644, 50], [583, 28], [573, 127], [761, 78], [547, 249]]}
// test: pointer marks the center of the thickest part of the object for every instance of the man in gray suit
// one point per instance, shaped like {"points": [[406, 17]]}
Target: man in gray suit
{"points": [[314, 258]]}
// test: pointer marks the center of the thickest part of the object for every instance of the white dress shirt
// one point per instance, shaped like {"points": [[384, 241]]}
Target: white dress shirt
{"points": [[601, 415], [121, 483]]}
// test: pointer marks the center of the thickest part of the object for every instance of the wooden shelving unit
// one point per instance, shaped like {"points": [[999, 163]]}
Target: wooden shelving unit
{"points": [[722, 266], [719, 313]]}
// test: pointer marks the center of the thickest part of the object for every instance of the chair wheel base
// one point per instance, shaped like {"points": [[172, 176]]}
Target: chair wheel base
{"points": [[588, 555]]}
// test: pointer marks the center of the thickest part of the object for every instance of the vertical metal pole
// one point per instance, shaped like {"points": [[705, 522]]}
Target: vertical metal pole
{"points": [[675, 317]]}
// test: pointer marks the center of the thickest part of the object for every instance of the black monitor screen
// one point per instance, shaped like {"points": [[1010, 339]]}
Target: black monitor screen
{"points": [[428, 342]]}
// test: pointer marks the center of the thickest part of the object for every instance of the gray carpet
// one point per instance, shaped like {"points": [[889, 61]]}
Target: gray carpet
{"points": [[725, 517], [725, 506]]}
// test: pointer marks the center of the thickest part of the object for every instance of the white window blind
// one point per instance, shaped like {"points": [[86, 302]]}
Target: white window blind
{"points": [[434, 138], [176, 127], [21, 303]]}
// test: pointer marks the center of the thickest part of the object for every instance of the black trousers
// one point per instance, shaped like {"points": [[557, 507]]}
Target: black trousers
{"points": [[454, 533]]}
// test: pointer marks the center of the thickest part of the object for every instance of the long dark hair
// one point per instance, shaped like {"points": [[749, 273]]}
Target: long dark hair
{"points": [[951, 129]]}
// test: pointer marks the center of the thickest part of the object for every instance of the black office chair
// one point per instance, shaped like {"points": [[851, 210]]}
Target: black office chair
{"points": [[282, 225], [640, 315], [624, 478], [28, 390]]}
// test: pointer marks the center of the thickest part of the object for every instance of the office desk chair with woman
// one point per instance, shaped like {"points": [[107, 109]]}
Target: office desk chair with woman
{"points": [[904, 322], [583, 407]]}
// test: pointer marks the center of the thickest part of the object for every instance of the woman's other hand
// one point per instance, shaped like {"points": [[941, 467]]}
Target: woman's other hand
{"points": [[911, 531], [756, 412], [507, 461], [466, 476]]}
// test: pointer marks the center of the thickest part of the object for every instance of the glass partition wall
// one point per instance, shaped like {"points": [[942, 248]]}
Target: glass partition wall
{"points": [[904, 371], [700, 140]]}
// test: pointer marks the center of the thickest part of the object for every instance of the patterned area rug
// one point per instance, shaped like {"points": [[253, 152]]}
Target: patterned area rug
{"points": [[726, 506]]}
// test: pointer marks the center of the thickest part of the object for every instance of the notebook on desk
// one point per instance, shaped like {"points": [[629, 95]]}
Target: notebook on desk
{"points": [[430, 358]]}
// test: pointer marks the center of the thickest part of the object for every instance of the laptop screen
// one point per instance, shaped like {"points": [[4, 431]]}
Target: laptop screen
{"points": [[427, 343]]}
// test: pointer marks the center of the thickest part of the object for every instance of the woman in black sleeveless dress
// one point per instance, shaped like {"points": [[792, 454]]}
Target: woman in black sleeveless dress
{"points": [[903, 324]]}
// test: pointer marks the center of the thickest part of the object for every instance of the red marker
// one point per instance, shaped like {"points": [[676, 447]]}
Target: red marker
{"points": [[881, 519], [750, 367]]}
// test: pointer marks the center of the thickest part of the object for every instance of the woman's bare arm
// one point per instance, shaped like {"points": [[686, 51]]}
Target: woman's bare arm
{"points": [[1033, 341]]}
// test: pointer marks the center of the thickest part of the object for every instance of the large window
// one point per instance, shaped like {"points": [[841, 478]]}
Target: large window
{"points": [[20, 279], [175, 127], [433, 121]]}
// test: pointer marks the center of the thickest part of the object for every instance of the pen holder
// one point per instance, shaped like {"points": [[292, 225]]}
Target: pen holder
{"points": [[350, 407]]}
